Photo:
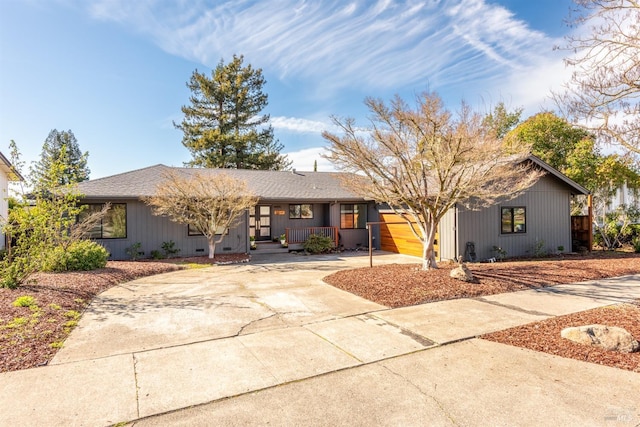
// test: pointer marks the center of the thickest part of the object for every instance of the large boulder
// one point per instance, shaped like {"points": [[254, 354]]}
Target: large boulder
{"points": [[461, 272], [608, 337]]}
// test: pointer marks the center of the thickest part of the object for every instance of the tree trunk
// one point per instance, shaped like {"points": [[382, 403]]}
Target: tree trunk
{"points": [[212, 248], [428, 251]]}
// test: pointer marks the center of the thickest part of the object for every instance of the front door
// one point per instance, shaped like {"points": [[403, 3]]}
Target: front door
{"points": [[260, 222]]}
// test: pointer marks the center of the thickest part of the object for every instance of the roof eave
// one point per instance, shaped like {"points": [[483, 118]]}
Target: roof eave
{"points": [[579, 189]]}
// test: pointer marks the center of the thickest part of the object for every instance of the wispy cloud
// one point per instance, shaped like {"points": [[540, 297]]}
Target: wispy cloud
{"points": [[294, 124], [384, 45]]}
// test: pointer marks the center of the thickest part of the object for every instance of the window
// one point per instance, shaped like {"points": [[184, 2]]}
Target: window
{"points": [[514, 220], [113, 225], [301, 211], [191, 231], [353, 216]]}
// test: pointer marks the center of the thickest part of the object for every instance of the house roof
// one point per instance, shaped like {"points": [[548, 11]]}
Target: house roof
{"points": [[575, 187], [268, 185], [7, 168]]}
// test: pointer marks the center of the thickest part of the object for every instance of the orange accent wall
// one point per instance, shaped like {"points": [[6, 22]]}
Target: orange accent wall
{"points": [[398, 238]]}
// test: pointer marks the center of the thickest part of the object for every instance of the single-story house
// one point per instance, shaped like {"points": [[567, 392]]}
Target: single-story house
{"points": [[293, 203], [7, 174], [537, 221], [300, 203]]}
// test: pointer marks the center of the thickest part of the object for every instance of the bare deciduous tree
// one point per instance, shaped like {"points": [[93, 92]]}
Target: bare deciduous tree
{"points": [[604, 90], [210, 203], [423, 161]]}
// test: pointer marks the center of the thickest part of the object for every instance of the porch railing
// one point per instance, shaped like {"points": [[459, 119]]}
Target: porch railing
{"points": [[300, 235]]}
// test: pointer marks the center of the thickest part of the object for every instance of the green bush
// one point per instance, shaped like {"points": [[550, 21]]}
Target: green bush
{"points": [[12, 274], [24, 301], [83, 255], [134, 251], [170, 249], [636, 245], [155, 254], [317, 244]]}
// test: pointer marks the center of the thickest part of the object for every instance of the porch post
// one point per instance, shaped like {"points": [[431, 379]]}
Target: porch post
{"points": [[590, 204]]}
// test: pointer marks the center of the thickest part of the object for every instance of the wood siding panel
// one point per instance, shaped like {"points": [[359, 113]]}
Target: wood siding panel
{"points": [[398, 238]]}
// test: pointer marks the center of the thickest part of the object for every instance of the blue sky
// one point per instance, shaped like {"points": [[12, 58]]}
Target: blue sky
{"points": [[114, 71]]}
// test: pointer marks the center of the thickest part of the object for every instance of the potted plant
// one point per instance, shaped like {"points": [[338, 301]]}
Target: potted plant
{"points": [[252, 242], [283, 240]]}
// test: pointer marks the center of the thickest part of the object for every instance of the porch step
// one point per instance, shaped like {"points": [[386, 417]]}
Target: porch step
{"points": [[270, 248]]}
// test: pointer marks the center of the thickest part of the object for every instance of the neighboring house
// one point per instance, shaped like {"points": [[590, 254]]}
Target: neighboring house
{"points": [[625, 196], [295, 203], [539, 220], [301, 203], [7, 174]]}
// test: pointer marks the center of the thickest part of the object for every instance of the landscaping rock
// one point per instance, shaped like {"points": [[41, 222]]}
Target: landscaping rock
{"points": [[462, 273], [608, 337]]}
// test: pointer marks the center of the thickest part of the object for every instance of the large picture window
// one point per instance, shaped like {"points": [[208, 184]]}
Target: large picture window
{"points": [[113, 225], [514, 220], [353, 215], [304, 211]]}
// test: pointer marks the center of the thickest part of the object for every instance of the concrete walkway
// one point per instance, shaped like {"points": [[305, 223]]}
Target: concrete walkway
{"points": [[268, 343]]}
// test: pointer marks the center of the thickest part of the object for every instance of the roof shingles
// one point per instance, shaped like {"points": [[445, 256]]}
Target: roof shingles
{"points": [[268, 185]]}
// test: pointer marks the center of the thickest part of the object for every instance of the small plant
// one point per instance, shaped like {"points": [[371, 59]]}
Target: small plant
{"points": [[560, 249], [155, 254], [317, 244], [169, 249], [636, 245], [24, 301], [18, 322], [501, 254], [72, 314], [252, 242], [134, 251], [538, 249], [54, 306], [56, 344]]}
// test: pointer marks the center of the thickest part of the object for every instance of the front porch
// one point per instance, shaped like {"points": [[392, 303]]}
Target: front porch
{"points": [[297, 236]]}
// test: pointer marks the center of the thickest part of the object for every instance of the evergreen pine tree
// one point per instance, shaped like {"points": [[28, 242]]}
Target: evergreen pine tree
{"points": [[74, 162], [223, 126]]}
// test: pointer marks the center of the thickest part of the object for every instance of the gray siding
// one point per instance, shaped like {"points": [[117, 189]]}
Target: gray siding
{"points": [[151, 231], [280, 222], [447, 236], [351, 238], [548, 220]]}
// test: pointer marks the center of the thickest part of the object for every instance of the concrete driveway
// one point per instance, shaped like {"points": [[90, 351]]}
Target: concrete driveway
{"points": [[268, 343], [272, 292]]}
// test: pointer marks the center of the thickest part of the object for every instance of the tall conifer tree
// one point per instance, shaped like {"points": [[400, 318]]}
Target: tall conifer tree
{"points": [[223, 126], [71, 159]]}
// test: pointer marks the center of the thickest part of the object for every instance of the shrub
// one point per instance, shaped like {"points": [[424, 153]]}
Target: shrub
{"points": [[636, 245], [317, 244], [12, 274], [83, 255], [155, 254], [24, 301], [538, 249], [134, 251], [169, 248]]}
